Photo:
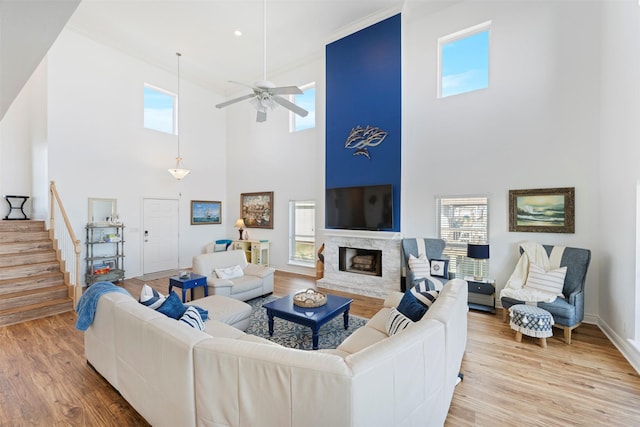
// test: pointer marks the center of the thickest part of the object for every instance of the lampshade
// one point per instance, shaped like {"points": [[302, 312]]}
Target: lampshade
{"points": [[239, 223], [478, 251], [179, 172]]}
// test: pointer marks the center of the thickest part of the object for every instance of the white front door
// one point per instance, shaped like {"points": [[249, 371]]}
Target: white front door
{"points": [[160, 235]]}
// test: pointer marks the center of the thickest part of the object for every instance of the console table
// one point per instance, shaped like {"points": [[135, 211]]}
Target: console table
{"points": [[22, 200], [256, 251]]}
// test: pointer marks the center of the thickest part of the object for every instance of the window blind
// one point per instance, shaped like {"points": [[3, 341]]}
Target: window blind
{"points": [[462, 220]]}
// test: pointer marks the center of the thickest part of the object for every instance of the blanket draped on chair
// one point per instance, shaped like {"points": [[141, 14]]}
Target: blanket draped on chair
{"points": [[88, 302], [532, 252]]}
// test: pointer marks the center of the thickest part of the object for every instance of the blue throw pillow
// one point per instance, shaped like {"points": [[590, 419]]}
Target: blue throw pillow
{"points": [[172, 306], [411, 307]]}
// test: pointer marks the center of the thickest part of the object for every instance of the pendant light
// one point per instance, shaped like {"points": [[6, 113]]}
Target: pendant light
{"points": [[179, 172]]}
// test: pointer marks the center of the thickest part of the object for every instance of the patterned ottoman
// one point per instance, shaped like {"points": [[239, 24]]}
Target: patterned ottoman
{"points": [[532, 321]]}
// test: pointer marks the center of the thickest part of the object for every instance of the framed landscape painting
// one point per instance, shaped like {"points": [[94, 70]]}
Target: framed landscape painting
{"points": [[256, 209], [206, 212], [544, 210]]}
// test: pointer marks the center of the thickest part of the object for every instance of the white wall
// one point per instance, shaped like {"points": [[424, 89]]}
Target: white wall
{"points": [[99, 148], [23, 151], [536, 126], [619, 176]]}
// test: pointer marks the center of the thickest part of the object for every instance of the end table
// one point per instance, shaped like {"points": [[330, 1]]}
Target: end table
{"points": [[190, 282]]}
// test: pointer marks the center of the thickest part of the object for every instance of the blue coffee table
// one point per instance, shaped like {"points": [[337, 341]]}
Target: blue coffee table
{"points": [[284, 308]]}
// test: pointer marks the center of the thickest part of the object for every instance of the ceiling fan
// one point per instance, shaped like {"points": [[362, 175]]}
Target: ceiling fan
{"points": [[265, 94]]}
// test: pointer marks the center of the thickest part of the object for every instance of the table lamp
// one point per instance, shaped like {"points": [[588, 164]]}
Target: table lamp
{"points": [[240, 225], [478, 252]]}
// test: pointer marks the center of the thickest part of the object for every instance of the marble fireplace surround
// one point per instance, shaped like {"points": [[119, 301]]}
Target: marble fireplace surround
{"points": [[362, 284]]}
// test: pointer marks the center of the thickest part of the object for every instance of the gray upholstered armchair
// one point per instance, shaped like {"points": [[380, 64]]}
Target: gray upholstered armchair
{"points": [[567, 312], [432, 248]]}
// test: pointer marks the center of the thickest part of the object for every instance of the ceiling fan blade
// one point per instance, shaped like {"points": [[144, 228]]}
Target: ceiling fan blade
{"points": [[233, 101], [261, 116], [290, 106], [286, 90]]}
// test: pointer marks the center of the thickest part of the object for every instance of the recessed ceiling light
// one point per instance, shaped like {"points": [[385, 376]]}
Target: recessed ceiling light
{"points": [[237, 33]]}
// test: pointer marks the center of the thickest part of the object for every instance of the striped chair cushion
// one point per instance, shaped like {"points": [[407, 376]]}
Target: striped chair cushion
{"points": [[548, 281], [396, 322]]}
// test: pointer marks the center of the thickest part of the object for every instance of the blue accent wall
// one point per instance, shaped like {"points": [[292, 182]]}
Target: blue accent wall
{"points": [[363, 72]]}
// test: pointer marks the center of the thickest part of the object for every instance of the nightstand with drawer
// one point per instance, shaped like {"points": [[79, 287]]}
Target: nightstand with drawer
{"points": [[482, 294]]}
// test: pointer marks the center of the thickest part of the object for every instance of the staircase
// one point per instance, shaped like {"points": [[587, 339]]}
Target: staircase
{"points": [[32, 284]]}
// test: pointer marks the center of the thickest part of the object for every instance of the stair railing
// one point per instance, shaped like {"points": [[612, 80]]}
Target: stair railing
{"points": [[67, 245]]}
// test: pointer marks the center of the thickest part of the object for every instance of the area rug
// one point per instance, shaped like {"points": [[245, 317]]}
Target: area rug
{"points": [[292, 335]]}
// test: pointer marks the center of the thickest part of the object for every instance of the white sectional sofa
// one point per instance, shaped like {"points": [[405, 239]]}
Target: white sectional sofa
{"points": [[175, 375], [256, 280]]}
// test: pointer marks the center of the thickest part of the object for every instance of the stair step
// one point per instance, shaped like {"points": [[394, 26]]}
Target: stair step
{"points": [[25, 247], [33, 296], [26, 225], [8, 286], [11, 260], [30, 270], [35, 311], [17, 236]]}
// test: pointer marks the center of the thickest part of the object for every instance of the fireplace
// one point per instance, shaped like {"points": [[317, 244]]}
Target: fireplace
{"points": [[377, 262], [360, 261]]}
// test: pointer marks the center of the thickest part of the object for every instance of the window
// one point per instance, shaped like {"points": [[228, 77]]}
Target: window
{"points": [[307, 101], [463, 61], [160, 110], [302, 225], [462, 220]]}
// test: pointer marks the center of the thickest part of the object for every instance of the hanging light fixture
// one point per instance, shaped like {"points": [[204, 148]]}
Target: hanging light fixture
{"points": [[179, 172]]}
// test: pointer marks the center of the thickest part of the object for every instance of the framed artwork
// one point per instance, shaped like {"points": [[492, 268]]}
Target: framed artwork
{"points": [[543, 210], [256, 209], [206, 212]]}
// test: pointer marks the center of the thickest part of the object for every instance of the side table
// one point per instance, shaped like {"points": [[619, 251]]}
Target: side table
{"points": [[22, 200], [482, 294], [191, 282]]}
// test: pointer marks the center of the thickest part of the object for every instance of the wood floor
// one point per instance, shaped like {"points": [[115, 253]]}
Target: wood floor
{"points": [[44, 378]]}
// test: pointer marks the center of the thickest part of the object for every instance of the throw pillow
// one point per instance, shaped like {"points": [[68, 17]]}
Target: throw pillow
{"points": [[440, 268], [420, 266], [548, 281], [229, 272], [192, 318], [220, 247], [172, 306], [411, 307], [425, 294], [150, 297], [396, 322]]}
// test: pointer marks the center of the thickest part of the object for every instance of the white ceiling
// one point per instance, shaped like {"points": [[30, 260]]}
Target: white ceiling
{"points": [[203, 31]]}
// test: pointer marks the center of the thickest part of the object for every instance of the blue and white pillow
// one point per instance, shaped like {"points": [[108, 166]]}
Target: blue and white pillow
{"points": [[150, 297], [440, 268], [411, 307], [425, 294], [192, 318], [396, 322]]}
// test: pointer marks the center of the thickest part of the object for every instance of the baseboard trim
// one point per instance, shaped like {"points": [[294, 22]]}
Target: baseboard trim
{"points": [[628, 347], [305, 271]]}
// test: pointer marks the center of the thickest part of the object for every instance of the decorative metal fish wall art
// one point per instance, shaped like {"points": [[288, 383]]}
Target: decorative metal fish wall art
{"points": [[361, 139]]}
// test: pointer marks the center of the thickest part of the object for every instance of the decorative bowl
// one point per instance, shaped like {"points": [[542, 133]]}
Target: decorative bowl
{"points": [[309, 298]]}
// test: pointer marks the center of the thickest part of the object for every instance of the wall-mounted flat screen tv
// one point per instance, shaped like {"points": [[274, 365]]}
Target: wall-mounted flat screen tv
{"points": [[367, 207]]}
